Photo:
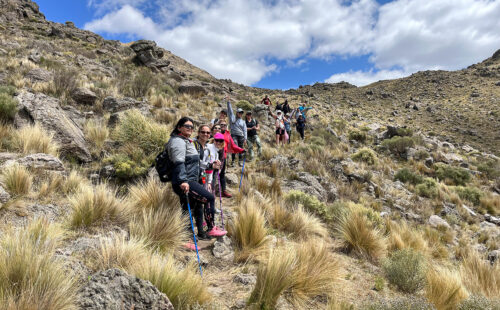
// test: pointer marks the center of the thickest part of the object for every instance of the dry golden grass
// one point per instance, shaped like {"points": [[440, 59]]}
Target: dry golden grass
{"points": [[300, 224], [151, 194], [17, 180], [5, 135], [444, 288], [361, 237], [96, 132], [118, 252], [163, 229], [73, 183], [434, 240], [401, 236], [95, 206], [34, 139], [184, 287], [248, 230], [30, 277], [52, 184], [490, 204], [479, 276]]}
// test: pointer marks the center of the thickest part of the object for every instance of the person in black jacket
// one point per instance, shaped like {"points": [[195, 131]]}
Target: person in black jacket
{"points": [[286, 108], [186, 171], [301, 125]]}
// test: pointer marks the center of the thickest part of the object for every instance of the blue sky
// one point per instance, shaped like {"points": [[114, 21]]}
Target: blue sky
{"points": [[286, 43]]}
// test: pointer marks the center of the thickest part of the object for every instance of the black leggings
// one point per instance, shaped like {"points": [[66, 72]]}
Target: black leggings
{"points": [[223, 175], [240, 141], [301, 132], [198, 195]]}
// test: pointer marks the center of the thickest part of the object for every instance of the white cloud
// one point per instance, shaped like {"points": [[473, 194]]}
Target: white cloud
{"points": [[236, 38], [362, 78]]}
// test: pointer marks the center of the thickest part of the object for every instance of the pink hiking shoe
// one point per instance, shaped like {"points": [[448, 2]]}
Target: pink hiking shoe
{"points": [[216, 232], [190, 246]]}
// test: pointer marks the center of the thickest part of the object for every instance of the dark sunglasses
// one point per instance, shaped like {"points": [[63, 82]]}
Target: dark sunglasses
{"points": [[223, 125], [188, 126], [216, 128], [205, 132], [219, 140]]}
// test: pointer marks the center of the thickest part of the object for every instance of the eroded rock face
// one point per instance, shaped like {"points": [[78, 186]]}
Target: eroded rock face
{"points": [[39, 161], [84, 96], [39, 75], [192, 88], [46, 111], [308, 184], [149, 55], [4, 196], [115, 289]]}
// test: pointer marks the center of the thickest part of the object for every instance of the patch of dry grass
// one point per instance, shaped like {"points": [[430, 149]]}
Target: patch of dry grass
{"points": [[479, 276], [300, 224], [73, 183], [34, 139], [444, 288], [118, 252], [151, 194], [17, 180], [401, 236], [96, 132]]}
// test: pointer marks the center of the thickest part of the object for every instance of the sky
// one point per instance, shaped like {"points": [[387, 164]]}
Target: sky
{"points": [[281, 44]]}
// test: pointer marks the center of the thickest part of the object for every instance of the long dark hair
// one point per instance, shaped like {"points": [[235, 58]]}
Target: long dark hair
{"points": [[181, 123]]}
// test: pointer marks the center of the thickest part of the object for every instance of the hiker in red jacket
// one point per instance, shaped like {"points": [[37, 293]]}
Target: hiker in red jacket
{"points": [[266, 101], [229, 147]]}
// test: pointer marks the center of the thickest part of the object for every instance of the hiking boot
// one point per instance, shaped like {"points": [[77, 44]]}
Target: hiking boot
{"points": [[215, 232], [203, 236], [190, 246], [226, 194]]}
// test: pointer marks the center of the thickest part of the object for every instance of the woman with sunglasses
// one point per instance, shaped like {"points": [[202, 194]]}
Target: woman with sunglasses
{"points": [[209, 160], [229, 147], [186, 172]]}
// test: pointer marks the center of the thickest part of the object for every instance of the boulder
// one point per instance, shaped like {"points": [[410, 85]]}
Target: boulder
{"points": [[193, 88], [245, 278], [492, 219], [39, 75], [39, 161], [308, 184], [4, 195], [436, 221], [494, 256], [46, 111], [232, 179], [35, 56], [84, 96], [113, 105], [115, 289], [452, 157], [223, 250], [149, 55]]}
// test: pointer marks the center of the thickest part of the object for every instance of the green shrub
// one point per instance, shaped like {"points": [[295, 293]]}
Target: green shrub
{"points": [[472, 194], [245, 105], [428, 188], [126, 167], [167, 89], [9, 90], [366, 155], [404, 132], [401, 303], [491, 168], [357, 135], [141, 83], [479, 303], [379, 284], [8, 107], [398, 145], [315, 140], [421, 154], [452, 175], [405, 175], [406, 269]]}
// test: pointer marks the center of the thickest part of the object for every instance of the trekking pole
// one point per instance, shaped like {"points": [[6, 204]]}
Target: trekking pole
{"points": [[220, 200], [194, 236], [242, 170]]}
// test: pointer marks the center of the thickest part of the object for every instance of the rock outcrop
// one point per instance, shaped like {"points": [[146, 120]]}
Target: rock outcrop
{"points": [[46, 111], [149, 55]]}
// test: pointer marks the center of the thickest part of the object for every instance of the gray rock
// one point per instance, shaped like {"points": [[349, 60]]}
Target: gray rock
{"points": [[39, 161], [84, 96], [223, 250], [245, 279], [469, 210], [435, 221], [240, 304], [39, 75], [493, 256], [497, 83], [193, 88], [149, 55], [429, 161], [232, 179], [4, 196], [113, 105], [115, 289], [35, 57], [308, 184], [492, 219], [46, 111], [4, 156]]}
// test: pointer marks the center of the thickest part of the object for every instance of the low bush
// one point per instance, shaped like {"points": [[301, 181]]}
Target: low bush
{"points": [[142, 82], [491, 168], [472, 194], [475, 302], [245, 105], [65, 81], [127, 167], [452, 175], [8, 107], [401, 303], [357, 135], [365, 155], [429, 188], [405, 175], [398, 145], [406, 269], [328, 213], [404, 132]]}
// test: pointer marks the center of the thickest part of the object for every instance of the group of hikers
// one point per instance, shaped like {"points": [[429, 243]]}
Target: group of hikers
{"points": [[197, 167]]}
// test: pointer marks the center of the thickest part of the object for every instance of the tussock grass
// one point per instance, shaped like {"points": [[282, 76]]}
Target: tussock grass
{"points": [[34, 139], [248, 230], [479, 276], [151, 194], [94, 206], [53, 184], [96, 133], [118, 252], [184, 287], [361, 237], [73, 183], [6, 132], [17, 180], [401, 236], [300, 224], [30, 277], [163, 229], [444, 288], [435, 241]]}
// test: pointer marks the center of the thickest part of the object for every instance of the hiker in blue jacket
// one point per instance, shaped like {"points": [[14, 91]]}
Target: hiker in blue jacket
{"points": [[238, 130]]}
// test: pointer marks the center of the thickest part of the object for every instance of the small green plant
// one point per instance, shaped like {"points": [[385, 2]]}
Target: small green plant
{"points": [[245, 105], [126, 167], [405, 175], [404, 132], [8, 107], [475, 302], [401, 303], [472, 194], [357, 135], [379, 284], [141, 83], [452, 175], [398, 145], [428, 188], [65, 81], [491, 168], [406, 269], [366, 155]]}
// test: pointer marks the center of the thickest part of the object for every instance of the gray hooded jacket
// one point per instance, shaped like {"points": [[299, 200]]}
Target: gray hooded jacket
{"points": [[186, 159], [238, 125]]}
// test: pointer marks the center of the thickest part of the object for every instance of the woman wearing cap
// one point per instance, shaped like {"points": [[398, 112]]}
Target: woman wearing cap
{"points": [[229, 147], [280, 127], [209, 160], [186, 171]]}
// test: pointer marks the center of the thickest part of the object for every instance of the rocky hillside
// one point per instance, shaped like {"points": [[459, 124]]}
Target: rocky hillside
{"points": [[391, 201]]}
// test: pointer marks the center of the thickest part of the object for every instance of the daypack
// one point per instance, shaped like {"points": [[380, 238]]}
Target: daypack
{"points": [[163, 166]]}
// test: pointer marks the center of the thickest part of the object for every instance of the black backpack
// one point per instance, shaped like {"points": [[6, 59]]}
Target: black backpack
{"points": [[163, 166]]}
